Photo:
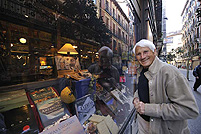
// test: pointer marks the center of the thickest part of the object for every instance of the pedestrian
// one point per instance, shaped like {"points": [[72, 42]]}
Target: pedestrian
{"points": [[163, 99], [197, 74], [108, 75]]}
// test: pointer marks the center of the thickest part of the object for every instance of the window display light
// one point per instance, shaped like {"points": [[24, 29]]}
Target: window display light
{"points": [[67, 49], [23, 40]]}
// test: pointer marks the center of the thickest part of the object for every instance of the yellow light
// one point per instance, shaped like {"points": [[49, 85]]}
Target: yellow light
{"points": [[89, 52], [67, 48], [74, 46], [43, 63], [23, 40]]}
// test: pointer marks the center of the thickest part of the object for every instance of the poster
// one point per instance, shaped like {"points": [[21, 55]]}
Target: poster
{"points": [[67, 63]]}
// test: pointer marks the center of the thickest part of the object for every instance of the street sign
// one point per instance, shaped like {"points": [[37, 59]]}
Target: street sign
{"points": [[168, 40]]}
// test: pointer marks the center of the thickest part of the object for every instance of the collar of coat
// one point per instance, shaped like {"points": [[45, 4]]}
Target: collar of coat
{"points": [[153, 68]]}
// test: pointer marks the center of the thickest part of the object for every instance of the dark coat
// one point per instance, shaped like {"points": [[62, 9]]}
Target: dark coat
{"points": [[197, 71], [107, 77]]}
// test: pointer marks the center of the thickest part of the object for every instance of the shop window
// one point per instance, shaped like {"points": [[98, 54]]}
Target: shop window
{"points": [[114, 15], [119, 18], [119, 33], [114, 28], [26, 55]]}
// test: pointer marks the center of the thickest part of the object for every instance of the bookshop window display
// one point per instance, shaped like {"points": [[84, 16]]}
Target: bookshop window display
{"points": [[74, 101]]}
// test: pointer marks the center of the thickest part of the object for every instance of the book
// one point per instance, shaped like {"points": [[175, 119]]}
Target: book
{"points": [[69, 126], [43, 94], [119, 96], [51, 110], [85, 107]]}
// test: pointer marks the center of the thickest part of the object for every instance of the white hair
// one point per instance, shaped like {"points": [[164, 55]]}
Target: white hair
{"points": [[144, 43]]}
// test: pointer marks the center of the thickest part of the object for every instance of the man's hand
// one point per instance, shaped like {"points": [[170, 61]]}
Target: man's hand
{"points": [[139, 105], [197, 77]]}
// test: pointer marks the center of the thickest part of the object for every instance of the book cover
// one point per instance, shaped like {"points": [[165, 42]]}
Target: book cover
{"points": [[51, 110], [85, 107], [69, 126], [43, 94]]}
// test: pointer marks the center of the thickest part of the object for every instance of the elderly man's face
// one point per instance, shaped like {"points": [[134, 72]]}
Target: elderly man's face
{"points": [[145, 56], [104, 61]]}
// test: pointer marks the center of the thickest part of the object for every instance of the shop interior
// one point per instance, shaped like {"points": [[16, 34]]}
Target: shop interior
{"points": [[46, 89]]}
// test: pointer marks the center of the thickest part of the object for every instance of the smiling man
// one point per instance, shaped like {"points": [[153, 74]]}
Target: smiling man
{"points": [[163, 99]]}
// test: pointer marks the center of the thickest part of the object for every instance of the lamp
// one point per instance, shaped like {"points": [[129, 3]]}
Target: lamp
{"points": [[23, 40], [67, 49]]}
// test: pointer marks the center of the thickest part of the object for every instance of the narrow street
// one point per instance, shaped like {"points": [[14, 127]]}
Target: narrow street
{"points": [[194, 124]]}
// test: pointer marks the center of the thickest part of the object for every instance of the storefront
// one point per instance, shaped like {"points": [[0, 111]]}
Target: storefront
{"points": [[33, 75], [32, 85], [73, 101]]}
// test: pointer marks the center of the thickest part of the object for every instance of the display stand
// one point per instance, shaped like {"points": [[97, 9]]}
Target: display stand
{"points": [[88, 103], [46, 105]]}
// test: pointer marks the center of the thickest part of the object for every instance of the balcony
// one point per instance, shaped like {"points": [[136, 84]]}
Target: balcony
{"points": [[198, 15], [116, 34]]}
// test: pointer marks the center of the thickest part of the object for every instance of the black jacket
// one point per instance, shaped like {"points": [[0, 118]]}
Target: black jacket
{"points": [[197, 71]]}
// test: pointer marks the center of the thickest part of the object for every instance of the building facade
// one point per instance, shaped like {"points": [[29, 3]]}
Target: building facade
{"points": [[144, 20], [191, 30], [148, 21], [118, 23], [174, 48]]}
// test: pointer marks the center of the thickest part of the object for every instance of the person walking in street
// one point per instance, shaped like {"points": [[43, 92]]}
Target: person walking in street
{"points": [[197, 74], [163, 99]]}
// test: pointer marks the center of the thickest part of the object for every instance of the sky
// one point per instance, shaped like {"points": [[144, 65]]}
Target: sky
{"points": [[174, 9]]}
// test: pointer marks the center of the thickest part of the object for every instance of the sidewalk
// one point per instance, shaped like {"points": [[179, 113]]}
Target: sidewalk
{"points": [[194, 124]]}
